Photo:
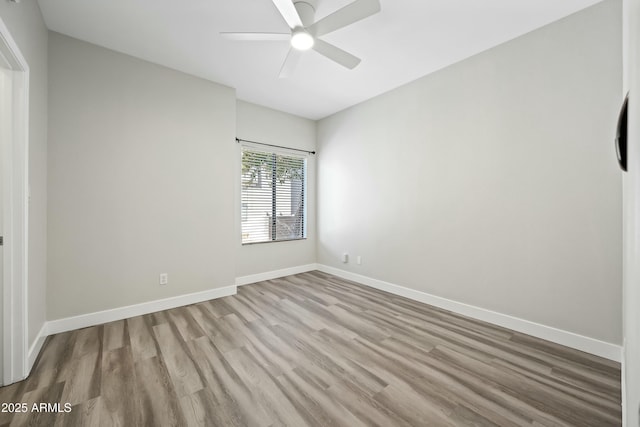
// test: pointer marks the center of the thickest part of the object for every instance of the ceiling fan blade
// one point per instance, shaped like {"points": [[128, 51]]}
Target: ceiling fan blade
{"points": [[290, 63], [257, 36], [336, 54], [288, 12], [349, 14]]}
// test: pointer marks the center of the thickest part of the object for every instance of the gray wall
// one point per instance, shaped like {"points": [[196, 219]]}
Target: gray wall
{"points": [[492, 182], [257, 123], [140, 180], [27, 28]]}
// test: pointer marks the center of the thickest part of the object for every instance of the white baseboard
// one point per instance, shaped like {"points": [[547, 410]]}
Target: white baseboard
{"points": [[246, 280], [36, 346], [559, 336], [569, 339], [99, 317]]}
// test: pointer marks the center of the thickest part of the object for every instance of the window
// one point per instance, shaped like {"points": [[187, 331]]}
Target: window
{"points": [[273, 196]]}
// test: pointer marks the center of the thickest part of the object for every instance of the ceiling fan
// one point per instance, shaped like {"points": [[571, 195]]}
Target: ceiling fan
{"points": [[305, 33]]}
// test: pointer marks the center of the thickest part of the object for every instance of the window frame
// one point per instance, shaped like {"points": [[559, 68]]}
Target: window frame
{"points": [[283, 152]]}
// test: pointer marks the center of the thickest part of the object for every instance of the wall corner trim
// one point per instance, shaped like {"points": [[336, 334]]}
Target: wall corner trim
{"points": [[275, 274], [569, 339], [91, 319], [36, 346]]}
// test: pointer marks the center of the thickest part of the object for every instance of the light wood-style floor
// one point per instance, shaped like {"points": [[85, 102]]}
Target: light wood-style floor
{"points": [[313, 349]]}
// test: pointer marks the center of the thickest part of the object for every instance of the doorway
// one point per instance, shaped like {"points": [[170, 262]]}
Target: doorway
{"points": [[14, 81]]}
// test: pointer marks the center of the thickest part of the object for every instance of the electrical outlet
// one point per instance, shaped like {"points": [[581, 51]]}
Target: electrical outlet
{"points": [[345, 257], [164, 278], [358, 260]]}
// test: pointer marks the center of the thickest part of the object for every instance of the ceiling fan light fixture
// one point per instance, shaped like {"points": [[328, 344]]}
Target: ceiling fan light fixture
{"points": [[301, 40]]}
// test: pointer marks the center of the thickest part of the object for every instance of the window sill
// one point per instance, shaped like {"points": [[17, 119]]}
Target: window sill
{"points": [[273, 241]]}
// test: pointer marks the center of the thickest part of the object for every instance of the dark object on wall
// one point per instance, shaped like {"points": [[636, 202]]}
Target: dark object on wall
{"points": [[621, 135]]}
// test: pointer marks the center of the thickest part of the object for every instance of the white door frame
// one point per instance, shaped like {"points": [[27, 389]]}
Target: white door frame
{"points": [[631, 220], [15, 170]]}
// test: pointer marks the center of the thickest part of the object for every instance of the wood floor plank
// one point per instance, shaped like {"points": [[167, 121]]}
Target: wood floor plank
{"points": [[157, 402], [88, 341], [332, 362], [115, 335], [262, 301], [541, 397], [156, 318], [87, 413], [118, 387], [309, 398], [241, 309], [49, 394], [364, 406], [205, 318], [269, 360], [268, 394], [200, 409], [182, 370], [11, 394], [262, 333], [54, 362], [185, 323], [313, 350], [84, 381], [415, 410], [142, 341], [463, 416], [224, 336], [234, 400], [217, 307]]}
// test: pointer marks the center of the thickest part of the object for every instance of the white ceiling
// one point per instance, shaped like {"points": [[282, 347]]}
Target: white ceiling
{"points": [[407, 40]]}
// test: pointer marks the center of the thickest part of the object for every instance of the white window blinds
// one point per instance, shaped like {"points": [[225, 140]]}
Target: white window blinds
{"points": [[273, 196]]}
